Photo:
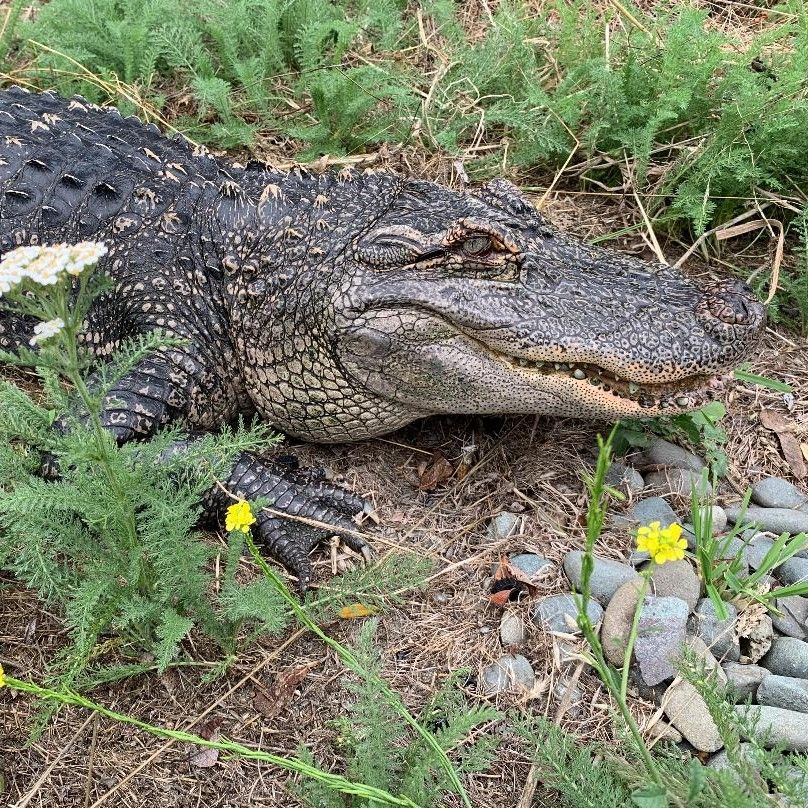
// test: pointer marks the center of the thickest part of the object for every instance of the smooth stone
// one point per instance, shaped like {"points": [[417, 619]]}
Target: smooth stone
{"points": [[793, 571], [718, 635], [664, 453], [686, 709], [531, 564], [788, 657], [508, 671], [652, 509], [617, 620], [625, 477], [744, 679], [677, 579], [673, 579], [774, 520], [774, 492], [784, 691], [756, 549], [776, 726], [511, 629], [720, 762], [679, 482], [559, 613], [502, 525], [719, 519], [661, 630], [607, 575], [793, 622]]}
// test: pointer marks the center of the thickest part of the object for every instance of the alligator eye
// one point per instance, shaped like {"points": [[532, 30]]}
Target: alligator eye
{"points": [[477, 245]]}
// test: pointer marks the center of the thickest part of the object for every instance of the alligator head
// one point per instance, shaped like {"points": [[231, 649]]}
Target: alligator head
{"points": [[423, 300]]}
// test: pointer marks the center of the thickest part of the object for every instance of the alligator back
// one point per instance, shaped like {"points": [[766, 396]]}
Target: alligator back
{"points": [[69, 170]]}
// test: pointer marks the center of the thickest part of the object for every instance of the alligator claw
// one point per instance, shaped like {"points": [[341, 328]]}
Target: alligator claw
{"points": [[304, 510]]}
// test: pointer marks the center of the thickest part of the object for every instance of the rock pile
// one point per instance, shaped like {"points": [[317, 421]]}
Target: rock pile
{"points": [[762, 657]]}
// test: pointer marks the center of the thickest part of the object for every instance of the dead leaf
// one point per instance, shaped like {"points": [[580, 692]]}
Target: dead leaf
{"points": [[438, 470], [791, 448], [773, 420], [270, 703], [355, 610], [205, 756], [804, 450], [510, 583]]}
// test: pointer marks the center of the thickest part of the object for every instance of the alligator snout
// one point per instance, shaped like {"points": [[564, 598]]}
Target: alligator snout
{"points": [[729, 311]]}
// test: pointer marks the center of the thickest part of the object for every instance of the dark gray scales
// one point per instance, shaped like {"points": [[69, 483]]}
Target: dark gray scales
{"points": [[344, 305]]}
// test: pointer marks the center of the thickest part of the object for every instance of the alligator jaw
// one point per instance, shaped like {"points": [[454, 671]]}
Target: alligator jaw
{"points": [[642, 399]]}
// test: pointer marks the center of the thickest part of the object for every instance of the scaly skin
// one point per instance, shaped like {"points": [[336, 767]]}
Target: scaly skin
{"points": [[341, 306]]}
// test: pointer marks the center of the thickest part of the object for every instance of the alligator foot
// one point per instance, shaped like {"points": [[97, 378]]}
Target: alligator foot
{"points": [[305, 509]]}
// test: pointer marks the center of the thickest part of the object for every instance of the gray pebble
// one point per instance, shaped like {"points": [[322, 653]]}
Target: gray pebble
{"points": [[686, 709], [625, 477], [744, 679], [502, 525], [793, 571], [756, 549], [652, 509], [774, 520], [617, 620], [663, 453], [718, 635], [511, 629], [793, 622], [721, 762], [774, 492], [719, 519], [509, 672], [679, 482], [531, 564], [784, 691], [677, 579], [559, 613], [777, 726], [607, 575], [661, 631], [663, 731], [788, 657]]}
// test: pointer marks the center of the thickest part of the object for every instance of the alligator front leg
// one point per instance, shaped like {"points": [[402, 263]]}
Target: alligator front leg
{"points": [[304, 509]]}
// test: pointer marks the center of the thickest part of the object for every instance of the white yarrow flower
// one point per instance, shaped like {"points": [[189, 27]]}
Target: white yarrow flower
{"points": [[85, 254], [45, 264], [46, 330]]}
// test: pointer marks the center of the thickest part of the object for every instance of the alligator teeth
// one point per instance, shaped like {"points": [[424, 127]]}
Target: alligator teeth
{"points": [[633, 388], [683, 401], [579, 374]]}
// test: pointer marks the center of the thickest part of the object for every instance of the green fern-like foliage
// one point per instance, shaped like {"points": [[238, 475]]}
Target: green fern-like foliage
{"points": [[378, 746], [69, 539]]}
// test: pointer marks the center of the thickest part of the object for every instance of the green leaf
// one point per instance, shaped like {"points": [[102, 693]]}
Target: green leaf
{"points": [[652, 796], [763, 381], [696, 779]]}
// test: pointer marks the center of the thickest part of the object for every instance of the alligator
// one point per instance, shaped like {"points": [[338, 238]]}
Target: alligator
{"points": [[343, 304]]}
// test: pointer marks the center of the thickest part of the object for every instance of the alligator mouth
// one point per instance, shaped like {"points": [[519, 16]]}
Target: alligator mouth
{"points": [[688, 393]]}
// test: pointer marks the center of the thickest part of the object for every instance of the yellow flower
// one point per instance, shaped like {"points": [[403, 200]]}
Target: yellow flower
{"points": [[662, 544], [239, 517], [2, 677]]}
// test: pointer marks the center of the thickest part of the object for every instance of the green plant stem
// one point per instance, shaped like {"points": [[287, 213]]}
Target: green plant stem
{"points": [[292, 764], [632, 637], [350, 661]]}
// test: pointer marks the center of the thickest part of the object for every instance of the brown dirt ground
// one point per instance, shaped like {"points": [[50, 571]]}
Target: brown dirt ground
{"points": [[529, 465]]}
